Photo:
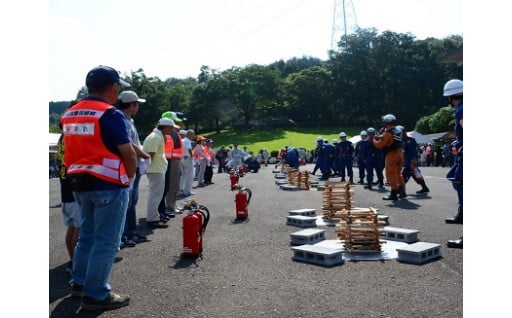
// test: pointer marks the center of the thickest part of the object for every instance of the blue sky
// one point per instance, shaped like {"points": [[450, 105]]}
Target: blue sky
{"points": [[175, 38]]}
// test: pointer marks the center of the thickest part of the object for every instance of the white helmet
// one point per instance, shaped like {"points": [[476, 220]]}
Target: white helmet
{"points": [[319, 138], [342, 134], [334, 141], [389, 118], [371, 130], [400, 127], [363, 133], [452, 87]]}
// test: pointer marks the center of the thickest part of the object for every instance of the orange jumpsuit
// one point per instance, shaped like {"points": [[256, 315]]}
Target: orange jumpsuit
{"points": [[393, 149]]}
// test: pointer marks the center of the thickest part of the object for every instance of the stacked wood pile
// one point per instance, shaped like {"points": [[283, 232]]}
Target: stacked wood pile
{"points": [[298, 178], [359, 229], [336, 197]]}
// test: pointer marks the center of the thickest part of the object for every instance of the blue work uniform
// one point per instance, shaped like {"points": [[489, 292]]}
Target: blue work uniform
{"points": [[346, 151]]}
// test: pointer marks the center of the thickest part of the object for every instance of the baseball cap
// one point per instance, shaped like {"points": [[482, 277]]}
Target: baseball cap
{"points": [[181, 116], [102, 76], [167, 122], [183, 132], [130, 97], [173, 116]]}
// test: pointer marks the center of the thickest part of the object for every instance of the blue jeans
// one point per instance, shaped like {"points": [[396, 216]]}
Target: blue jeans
{"points": [[103, 214], [130, 226]]}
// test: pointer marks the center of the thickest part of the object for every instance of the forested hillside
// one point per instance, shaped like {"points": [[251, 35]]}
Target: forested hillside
{"points": [[368, 76]]}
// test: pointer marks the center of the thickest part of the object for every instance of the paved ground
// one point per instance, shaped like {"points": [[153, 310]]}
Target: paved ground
{"points": [[247, 270]]}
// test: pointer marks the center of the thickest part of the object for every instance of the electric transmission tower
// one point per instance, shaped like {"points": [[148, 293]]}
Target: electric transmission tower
{"points": [[344, 21]]}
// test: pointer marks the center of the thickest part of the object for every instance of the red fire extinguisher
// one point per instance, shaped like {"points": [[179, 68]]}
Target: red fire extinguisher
{"points": [[242, 199], [234, 179], [241, 170], [194, 226]]}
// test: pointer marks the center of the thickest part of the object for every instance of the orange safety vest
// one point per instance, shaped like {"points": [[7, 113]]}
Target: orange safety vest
{"points": [[168, 147], [209, 151], [81, 130], [172, 151]]}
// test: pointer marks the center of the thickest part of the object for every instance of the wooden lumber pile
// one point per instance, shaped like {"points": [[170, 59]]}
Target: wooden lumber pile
{"points": [[337, 196], [359, 229], [303, 180], [292, 175]]}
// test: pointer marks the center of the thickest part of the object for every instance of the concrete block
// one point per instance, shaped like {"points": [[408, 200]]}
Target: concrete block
{"points": [[317, 255], [288, 187], [304, 212], [383, 218], [419, 252], [301, 221], [307, 236], [402, 235]]}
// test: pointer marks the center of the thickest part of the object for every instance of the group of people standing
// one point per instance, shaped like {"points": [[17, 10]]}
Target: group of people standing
{"points": [[102, 161]]}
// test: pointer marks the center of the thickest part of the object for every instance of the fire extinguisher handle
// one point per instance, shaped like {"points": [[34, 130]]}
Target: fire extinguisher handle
{"points": [[250, 195]]}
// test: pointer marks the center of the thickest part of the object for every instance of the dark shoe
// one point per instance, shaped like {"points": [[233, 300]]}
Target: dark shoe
{"points": [[351, 180], [454, 220], [401, 192], [128, 242], [112, 301], [170, 212], [455, 243], [368, 186], [157, 225], [77, 290], [342, 179], [425, 190], [137, 238], [360, 181], [164, 217], [392, 196]]}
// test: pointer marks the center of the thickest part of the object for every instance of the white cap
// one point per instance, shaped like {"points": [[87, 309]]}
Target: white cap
{"points": [[167, 122], [183, 132], [342, 134], [130, 97]]}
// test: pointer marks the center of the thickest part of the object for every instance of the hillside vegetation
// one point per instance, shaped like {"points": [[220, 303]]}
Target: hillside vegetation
{"points": [[275, 139]]}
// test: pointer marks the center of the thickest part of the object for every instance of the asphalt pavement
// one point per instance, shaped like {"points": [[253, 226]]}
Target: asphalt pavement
{"points": [[247, 270]]}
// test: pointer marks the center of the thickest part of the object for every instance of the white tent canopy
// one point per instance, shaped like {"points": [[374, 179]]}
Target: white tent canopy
{"points": [[53, 139], [420, 139]]}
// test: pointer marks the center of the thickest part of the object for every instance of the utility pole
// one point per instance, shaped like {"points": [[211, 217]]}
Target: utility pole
{"points": [[344, 21]]}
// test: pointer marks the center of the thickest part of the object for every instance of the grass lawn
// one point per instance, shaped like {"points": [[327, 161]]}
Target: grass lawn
{"points": [[275, 139]]}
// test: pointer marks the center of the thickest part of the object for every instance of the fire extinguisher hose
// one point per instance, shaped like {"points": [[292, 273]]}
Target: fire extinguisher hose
{"points": [[206, 216], [250, 195]]}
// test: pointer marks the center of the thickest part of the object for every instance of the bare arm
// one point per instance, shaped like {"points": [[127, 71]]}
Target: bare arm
{"points": [[139, 152]]}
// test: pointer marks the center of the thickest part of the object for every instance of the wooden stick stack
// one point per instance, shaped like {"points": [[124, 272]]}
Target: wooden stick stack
{"points": [[336, 197]]}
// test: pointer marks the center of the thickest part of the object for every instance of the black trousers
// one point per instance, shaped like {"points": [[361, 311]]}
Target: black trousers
{"points": [[208, 174]]}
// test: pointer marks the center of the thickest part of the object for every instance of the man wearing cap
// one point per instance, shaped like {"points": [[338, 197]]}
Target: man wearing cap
{"points": [[358, 155], [128, 102], [174, 151], [100, 163], [154, 145], [202, 157], [346, 150], [187, 165], [208, 172]]}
